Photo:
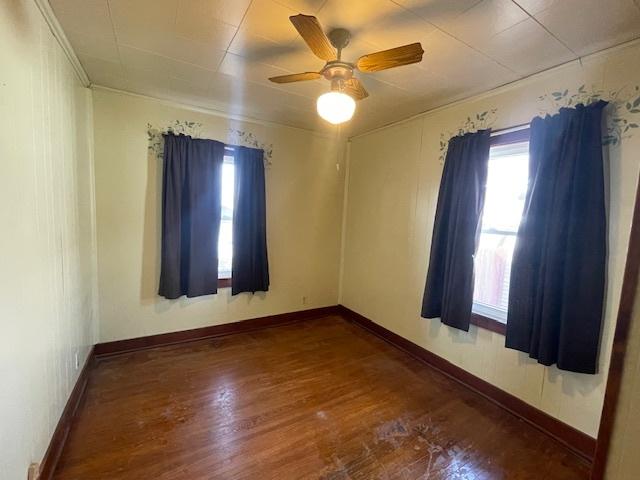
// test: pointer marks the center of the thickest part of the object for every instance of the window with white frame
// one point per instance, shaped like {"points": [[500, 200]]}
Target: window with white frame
{"points": [[225, 238], [504, 202]]}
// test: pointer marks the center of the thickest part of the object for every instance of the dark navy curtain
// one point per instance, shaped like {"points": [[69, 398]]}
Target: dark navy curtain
{"points": [[191, 204], [448, 291], [558, 272], [250, 265]]}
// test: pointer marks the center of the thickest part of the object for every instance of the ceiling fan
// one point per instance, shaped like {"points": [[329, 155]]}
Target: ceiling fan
{"points": [[338, 105]]}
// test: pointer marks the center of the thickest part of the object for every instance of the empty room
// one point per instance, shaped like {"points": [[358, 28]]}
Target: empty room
{"points": [[319, 239]]}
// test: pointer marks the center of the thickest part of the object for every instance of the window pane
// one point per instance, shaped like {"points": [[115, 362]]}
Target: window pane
{"points": [[504, 201], [225, 239], [492, 272], [506, 187]]}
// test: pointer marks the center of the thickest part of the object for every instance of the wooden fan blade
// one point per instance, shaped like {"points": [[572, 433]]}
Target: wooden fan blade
{"points": [[296, 77], [311, 32], [354, 88], [394, 57]]}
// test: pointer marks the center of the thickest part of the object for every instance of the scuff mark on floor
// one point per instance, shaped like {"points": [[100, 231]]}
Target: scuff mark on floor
{"points": [[337, 471], [394, 432]]}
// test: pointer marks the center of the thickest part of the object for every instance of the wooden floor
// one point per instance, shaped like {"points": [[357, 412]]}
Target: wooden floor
{"points": [[321, 399]]}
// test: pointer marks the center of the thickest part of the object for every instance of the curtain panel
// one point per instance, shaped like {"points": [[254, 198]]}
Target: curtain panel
{"points": [[250, 264], [557, 284], [191, 210], [448, 291]]}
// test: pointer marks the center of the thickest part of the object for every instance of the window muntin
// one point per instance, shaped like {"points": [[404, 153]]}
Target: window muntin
{"points": [[504, 201], [225, 237]]}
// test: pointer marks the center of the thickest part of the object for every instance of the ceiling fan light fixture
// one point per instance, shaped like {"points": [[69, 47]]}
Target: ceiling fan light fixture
{"points": [[339, 105], [336, 107]]}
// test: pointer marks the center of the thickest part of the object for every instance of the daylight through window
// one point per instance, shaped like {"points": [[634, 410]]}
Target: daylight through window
{"points": [[504, 201], [225, 238]]}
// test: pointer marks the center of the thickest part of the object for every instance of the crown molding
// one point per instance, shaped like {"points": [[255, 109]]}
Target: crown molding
{"points": [[332, 133], [59, 35], [506, 87]]}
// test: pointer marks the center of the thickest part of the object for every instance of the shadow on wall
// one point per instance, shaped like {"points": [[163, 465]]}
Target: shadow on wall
{"points": [[18, 17], [151, 241], [151, 245], [151, 234], [574, 383], [456, 336]]}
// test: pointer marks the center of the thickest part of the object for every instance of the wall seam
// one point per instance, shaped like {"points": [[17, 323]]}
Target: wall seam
{"points": [[343, 232]]}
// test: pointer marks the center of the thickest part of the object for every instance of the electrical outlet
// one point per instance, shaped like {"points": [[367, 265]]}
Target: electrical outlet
{"points": [[304, 300], [76, 360]]}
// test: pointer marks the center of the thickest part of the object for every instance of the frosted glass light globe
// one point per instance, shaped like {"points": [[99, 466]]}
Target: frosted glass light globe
{"points": [[336, 107]]}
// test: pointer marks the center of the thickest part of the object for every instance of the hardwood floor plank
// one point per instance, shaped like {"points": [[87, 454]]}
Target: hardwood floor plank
{"points": [[312, 400]]}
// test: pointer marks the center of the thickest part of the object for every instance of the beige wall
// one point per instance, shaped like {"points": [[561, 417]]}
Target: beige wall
{"points": [[304, 210], [394, 176], [48, 312], [46, 265]]}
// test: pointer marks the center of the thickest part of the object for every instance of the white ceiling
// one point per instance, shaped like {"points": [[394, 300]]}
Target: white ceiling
{"points": [[219, 53]]}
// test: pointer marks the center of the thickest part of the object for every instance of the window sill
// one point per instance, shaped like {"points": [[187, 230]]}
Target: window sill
{"points": [[224, 283], [488, 324]]}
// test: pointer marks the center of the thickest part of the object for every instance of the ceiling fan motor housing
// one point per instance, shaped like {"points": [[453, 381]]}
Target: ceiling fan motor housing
{"points": [[339, 38], [337, 72]]}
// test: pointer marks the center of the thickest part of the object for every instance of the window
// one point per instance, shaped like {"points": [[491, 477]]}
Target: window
{"points": [[225, 238], [504, 201]]}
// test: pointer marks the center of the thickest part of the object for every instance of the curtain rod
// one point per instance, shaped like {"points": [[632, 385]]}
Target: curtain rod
{"points": [[226, 146], [515, 128]]}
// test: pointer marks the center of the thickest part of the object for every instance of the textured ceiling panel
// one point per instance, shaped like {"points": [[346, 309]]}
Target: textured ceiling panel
{"points": [[220, 53]]}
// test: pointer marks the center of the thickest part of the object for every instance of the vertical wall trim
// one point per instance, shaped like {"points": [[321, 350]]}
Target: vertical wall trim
{"points": [[343, 232], [95, 300], [58, 34], [623, 325]]}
